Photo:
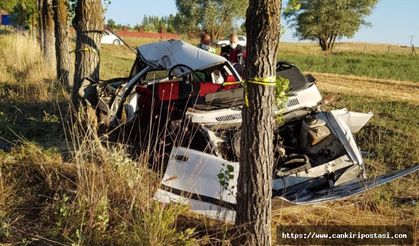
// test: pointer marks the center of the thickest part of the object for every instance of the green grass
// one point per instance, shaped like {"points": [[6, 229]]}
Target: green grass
{"points": [[346, 59], [386, 66], [116, 61], [391, 135]]}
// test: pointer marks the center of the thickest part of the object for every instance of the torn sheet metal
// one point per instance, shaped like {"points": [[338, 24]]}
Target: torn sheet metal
{"points": [[192, 178]]}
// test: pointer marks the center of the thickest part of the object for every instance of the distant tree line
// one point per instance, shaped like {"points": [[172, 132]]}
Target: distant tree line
{"points": [[157, 24], [151, 23], [215, 17]]}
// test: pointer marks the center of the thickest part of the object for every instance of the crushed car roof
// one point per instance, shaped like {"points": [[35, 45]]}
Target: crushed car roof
{"points": [[168, 54]]}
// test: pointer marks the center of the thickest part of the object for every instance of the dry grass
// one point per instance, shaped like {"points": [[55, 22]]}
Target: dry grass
{"points": [[352, 47], [24, 74], [68, 185], [99, 196], [383, 89]]}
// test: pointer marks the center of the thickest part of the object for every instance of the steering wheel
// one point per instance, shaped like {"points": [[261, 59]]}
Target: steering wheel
{"points": [[181, 66], [170, 74]]}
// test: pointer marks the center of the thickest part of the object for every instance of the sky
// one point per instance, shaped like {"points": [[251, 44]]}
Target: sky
{"points": [[393, 21]]}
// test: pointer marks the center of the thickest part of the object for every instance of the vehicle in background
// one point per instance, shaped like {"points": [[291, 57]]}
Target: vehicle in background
{"points": [[226, 41], [109, 38]]}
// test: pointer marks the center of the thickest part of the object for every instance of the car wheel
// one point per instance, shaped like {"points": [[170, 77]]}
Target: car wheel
{"points": [[117, 42]]}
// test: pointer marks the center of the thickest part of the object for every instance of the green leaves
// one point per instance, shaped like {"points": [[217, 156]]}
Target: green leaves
{"points": [[230, 168], [281, 89], [292, 6], [21, 10], [8, 5], [327, 20], [225, 175], [213, 16]]}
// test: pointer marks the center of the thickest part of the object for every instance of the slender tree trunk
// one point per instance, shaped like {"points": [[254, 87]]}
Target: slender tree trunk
{"points": [[329, 42], [88, 23], [47, 45], [61, 42], [33, 26], [256, 163], [40, 26], [333, 42]]}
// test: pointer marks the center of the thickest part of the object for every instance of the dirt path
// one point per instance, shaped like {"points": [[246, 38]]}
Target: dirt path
{"points": [[389, 90]]}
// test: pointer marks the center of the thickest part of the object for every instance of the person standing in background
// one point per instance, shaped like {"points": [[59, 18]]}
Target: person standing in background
{"points": [[206, 43], [234, 52]]}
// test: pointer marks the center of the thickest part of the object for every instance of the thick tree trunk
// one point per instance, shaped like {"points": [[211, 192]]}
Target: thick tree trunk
{"points": [[88, 23], [256, 163], [323, 44], [47, 32], [61, 42]]}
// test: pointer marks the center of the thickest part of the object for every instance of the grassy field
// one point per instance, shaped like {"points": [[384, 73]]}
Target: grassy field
{"points": [[368, 60], [63, 186]]}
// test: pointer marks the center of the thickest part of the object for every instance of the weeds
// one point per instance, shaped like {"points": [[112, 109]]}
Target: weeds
{"points": [[24, 74], [85, 203]]}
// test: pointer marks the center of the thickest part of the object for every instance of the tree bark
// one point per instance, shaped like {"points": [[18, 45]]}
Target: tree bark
{"points": [[256, 163], [323, 43], [88, 23], [40, 26], [333, 41], [61, 42], [47, 32]]}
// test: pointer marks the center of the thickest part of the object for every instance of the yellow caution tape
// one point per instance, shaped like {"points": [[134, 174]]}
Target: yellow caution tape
{"points": [[266, 81], [232, 83], [85, 50]]}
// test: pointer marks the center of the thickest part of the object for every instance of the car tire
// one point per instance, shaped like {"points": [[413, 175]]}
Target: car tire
{"points": [[117, 42]]}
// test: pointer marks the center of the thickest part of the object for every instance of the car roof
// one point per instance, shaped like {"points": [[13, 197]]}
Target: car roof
{"points": [[167, 54]]}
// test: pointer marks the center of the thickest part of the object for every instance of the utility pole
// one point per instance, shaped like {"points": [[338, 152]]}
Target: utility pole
{"points": [[412, 45]]}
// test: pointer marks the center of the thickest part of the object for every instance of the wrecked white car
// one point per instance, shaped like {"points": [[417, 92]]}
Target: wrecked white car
{"points": [[183, 106]]}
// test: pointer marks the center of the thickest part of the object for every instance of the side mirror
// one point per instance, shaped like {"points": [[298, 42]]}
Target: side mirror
{"points": [[310, 78]]}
